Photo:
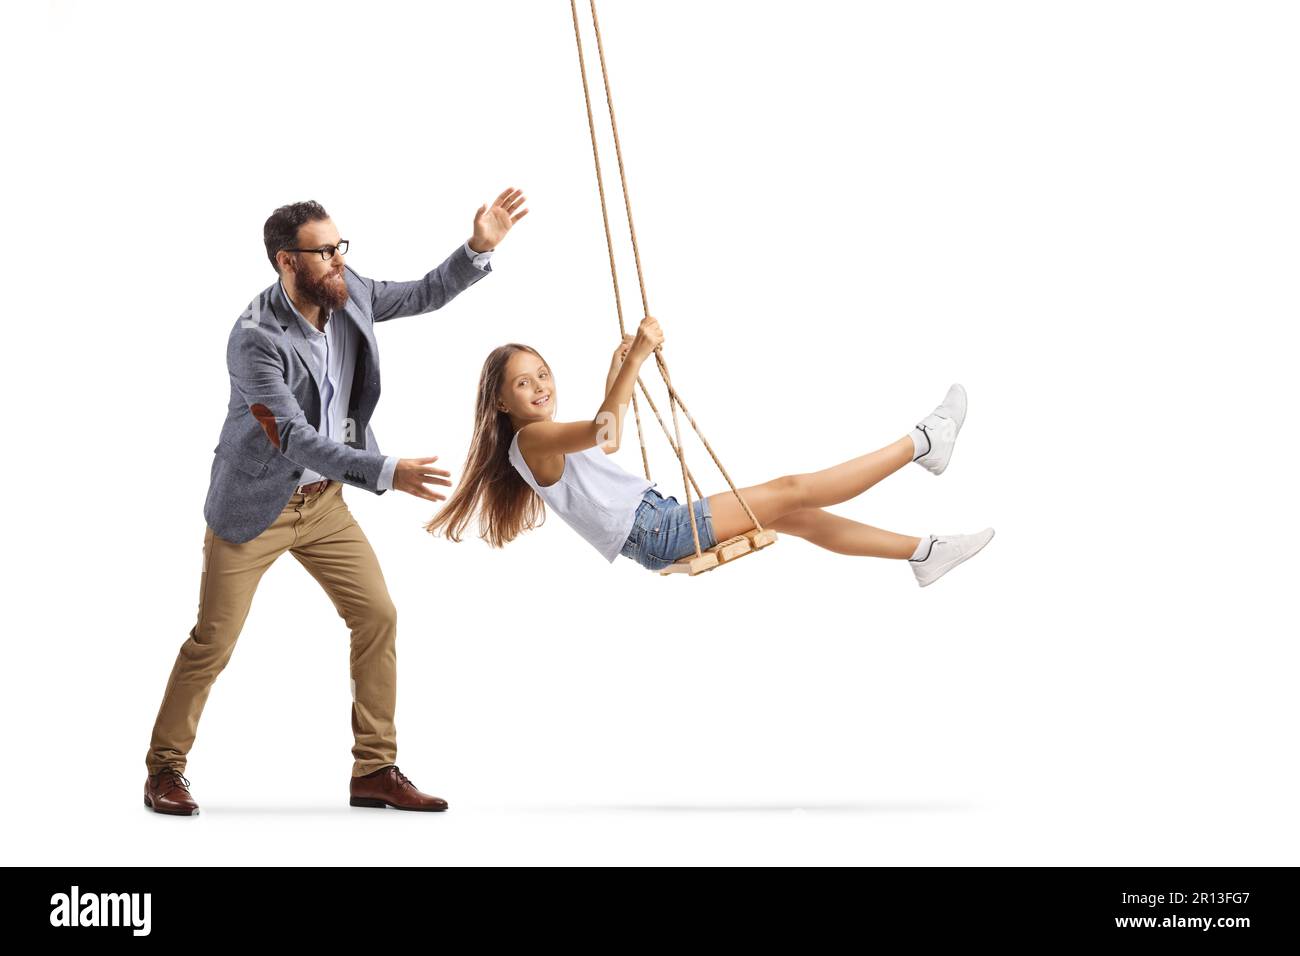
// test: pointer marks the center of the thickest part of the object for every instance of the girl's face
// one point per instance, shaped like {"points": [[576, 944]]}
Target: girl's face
{"points": [[527, 391]]}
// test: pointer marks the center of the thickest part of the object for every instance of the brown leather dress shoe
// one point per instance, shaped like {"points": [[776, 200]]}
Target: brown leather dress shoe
{"points": [[388, 786], [168, 792]]}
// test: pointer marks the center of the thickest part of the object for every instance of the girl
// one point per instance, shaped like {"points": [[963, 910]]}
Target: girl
{"points": [[520, 457]]}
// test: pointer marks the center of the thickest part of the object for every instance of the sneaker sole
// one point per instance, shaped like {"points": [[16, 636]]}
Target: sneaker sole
{"points": [[965, 408], [964, 557]]}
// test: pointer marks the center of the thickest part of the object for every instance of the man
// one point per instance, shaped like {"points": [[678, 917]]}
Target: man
{"points": [[304, 377]]}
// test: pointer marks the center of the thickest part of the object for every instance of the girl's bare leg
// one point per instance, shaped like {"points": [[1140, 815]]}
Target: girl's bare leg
{"points": [[845, 536], [779, 497]]}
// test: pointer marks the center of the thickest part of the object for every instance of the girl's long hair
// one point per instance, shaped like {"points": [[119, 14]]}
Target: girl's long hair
{"points": [[506, 505]]}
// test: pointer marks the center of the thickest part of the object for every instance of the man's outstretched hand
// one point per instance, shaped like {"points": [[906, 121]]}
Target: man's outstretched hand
{"points": [[491, 223], [411, 475]]}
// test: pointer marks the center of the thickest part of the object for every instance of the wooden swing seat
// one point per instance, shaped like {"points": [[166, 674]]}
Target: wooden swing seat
{"points": [[723, 553]]}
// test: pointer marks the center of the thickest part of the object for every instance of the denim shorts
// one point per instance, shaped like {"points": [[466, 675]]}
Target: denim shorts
{"points": [[661, 532]]}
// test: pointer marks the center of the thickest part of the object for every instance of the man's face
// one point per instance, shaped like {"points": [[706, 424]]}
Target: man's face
{"points": [[318, 281]]}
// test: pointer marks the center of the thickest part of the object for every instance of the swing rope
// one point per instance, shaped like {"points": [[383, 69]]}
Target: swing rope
{"points": [[674, 399]]}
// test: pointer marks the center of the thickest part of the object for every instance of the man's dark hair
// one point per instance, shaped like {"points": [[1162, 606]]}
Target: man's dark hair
{"points": [[281, 229]]}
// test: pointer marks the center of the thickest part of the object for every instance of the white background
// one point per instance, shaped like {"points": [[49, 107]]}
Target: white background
{"points": [[1085, 212]]}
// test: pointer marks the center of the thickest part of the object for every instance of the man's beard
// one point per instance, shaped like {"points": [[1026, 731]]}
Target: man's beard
{"points": [[329, 292]]}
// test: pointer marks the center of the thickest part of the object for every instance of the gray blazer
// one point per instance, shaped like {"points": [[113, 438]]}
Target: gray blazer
{"points": [[270, 432]]}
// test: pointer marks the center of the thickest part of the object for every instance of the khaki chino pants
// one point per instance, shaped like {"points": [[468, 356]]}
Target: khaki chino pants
{"points": [[318, 530]]}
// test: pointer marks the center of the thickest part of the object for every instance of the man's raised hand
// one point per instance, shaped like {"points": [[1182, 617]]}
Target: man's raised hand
{"points": [[412, 474], [491, 223]]}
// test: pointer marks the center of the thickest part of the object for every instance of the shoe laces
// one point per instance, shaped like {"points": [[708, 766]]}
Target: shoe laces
{"points": [[176, 777], [403, 778]]}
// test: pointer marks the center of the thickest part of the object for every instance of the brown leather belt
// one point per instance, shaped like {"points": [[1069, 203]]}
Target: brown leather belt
{"points": [[314, 487]]}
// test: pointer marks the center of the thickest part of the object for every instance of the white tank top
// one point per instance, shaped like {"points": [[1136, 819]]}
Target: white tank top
{"points": [[595, 496]]}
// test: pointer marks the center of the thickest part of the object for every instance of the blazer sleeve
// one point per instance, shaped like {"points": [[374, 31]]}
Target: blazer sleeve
{"points": [[257, 372], [392, 300]]}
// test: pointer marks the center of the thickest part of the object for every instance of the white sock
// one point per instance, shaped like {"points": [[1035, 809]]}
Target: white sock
{"points": [[922, 550], [920, 443]]}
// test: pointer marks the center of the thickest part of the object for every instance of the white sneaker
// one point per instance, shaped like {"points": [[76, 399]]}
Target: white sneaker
{"points": [[946, 552], [940, 429]]}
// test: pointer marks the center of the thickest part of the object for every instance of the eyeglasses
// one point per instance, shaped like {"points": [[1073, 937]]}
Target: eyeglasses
{"points": [[326, 252]]}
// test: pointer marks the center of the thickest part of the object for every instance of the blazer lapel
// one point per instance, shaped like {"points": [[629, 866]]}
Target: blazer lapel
{"points": [[367, 331], [365, 381], [289, 325]]}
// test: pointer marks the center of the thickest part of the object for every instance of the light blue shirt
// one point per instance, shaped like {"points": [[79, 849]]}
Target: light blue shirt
{"points": [[334, 354]]}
